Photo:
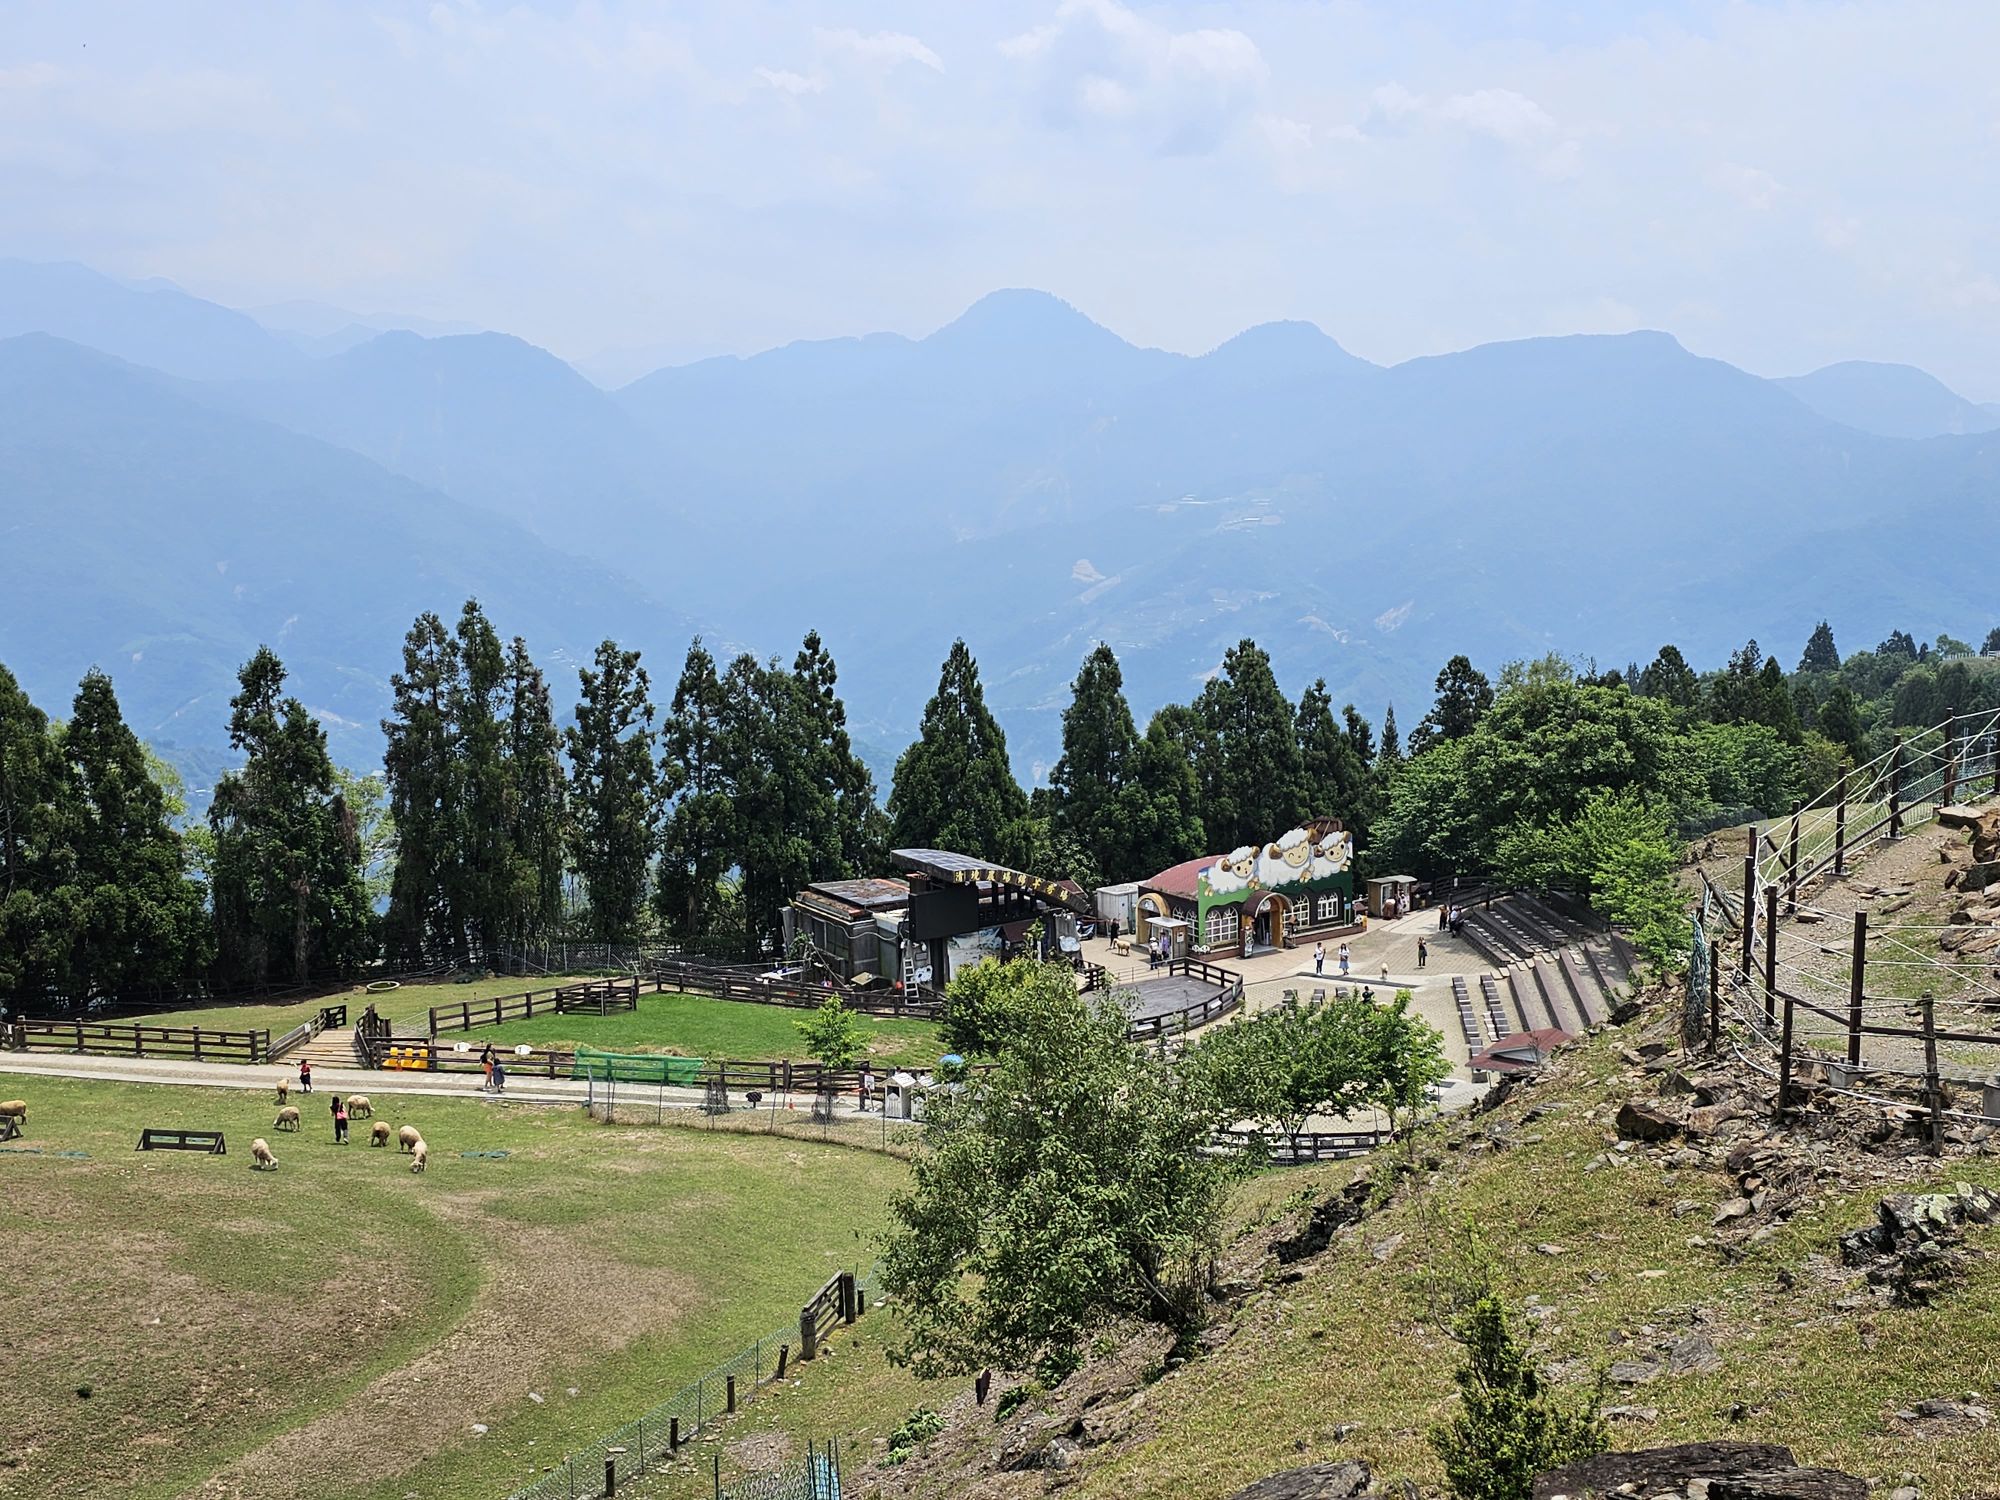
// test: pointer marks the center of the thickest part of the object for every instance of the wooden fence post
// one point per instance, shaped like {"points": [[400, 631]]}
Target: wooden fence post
{"points": [[1950, 755], [1770, 953], [731, 1393], [1933, 1088], [673, 1435], [1785, 1061], [1896, 791], [784, 1355], [808, 1333], [1857, 970], [1840, 826], [1749, 903], [1792, 865]]}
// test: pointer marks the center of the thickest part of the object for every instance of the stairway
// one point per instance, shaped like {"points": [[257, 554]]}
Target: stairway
{"points": [[330, 1049]]}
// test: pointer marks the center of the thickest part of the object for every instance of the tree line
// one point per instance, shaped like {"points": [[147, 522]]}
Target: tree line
{"points": [[492, 825]]}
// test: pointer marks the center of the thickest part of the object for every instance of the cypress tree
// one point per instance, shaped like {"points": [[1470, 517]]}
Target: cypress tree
{"points": [[288, 891], [1821, 655], [953, 788], [612, 781], [535, 775], [1334, 777], [846, 790], [483, 859], [424, 920], [1160, 805], [134, 918], [30, 846], [1259, 793], [1670, 679], [1840, 721], [1359, 735], [1392, 747], [782, 817], [699, 835], [1090, 780], [1463, 697]]}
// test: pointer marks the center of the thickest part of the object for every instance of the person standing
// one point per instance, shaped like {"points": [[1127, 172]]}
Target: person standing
{"points": [[499, 1076], [1344, 957], [867, 1085], [1444, 915], [1423, 952], [339, 1120], [305, 1075], [486, 1067]]}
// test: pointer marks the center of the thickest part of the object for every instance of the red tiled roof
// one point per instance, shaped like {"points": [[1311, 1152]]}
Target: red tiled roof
{"points": [[1180, 880]]}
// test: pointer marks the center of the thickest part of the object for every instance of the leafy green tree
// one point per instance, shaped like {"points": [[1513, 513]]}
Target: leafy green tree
{"points": [[699, 836], [420, 765], [1949, 646], [1840, 721], [1292, 1062], [1991, 646], [130, 918], [834, 1036], [288, 888], [1256, 791], [1550, 670], [1918, 703], [539, 809], [1510, 1425], [1098, 764], [1821, 655], [1463, 697], [953, 787], [1821, 761], [1744, 765], [1670, 679], [980, 1001], [1428, 824], [1405, 1058], [612, 780], [1074, 1187]]}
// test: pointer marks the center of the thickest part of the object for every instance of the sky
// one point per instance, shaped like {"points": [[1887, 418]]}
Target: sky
{"points": [[1780, 185]]}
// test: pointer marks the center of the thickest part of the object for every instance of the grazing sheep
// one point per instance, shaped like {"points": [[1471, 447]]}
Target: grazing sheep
{"points": [[359, 1108], [261, 1159], [419, 1156], [14, 1109], [288, 1118], [410, 1137], [379, 1136], [284, 1090]]}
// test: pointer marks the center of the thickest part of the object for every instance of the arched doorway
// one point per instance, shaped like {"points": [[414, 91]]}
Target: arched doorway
{"points": [[1150, 906], [1264, 921]]}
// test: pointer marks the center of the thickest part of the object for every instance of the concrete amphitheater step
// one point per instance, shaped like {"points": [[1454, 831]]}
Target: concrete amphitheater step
{"points": [[1496, 1014], [1520, 990], [1468, 1023], [1493, 939], [1555, 997], [1591, 1002]]}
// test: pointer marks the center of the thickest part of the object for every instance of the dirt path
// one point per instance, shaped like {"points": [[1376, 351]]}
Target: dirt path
{"points": [[535, 1313]]}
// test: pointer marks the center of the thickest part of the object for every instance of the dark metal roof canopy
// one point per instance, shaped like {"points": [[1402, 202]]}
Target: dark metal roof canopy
{"points": [[947, 868]]}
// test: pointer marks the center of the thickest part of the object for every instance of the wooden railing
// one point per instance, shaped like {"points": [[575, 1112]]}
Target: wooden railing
{"points": [[1227, 997], [197, 1043], [604, 995], [837, 1302], [1282, 1150]]}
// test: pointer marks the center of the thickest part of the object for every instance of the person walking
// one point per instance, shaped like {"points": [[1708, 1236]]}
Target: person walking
{"points": [[339, 1120], [1444, 915], [1319, 959], [867, 1085], [1344, 957], [486, 1067], [499, 1076], [1423, 952], [305, 1075]]}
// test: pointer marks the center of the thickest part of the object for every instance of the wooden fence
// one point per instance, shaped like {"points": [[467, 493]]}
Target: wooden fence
{"points": [[1227, 997], [1308, 1146], [839, 1301], [196, 1043], [604, 996]]}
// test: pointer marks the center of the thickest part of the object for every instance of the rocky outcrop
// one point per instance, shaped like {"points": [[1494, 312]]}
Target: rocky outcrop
{"points": [[1978, 867], [1699, 1471], [1912, 1249], [1346, 1480]]}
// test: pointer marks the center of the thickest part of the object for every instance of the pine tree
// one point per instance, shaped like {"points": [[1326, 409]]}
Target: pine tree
{"points": [[538, 835], [1735, 696], [288, 891], [699, 834], [846, 789], [1670, 679], [782, 816], [1334, 777], [1359, 734], [1159, 806], [1392, 745], [31, 847], [1463, 697], [1821, 655], [134, 918], [484, 857], [1774, 701], [612, 780], [1091, 780], [953, 788], [420, 763], [1258, 792]]}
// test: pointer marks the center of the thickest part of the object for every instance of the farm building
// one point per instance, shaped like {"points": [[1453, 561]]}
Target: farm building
{"points": [[1300, 886]]}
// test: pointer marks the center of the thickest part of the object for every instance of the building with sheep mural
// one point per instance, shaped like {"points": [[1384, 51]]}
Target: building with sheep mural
{"points": [[1298, 887]]}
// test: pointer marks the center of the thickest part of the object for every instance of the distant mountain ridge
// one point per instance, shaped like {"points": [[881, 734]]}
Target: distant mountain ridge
{"points": [[1890, 400], [1026, 479]]}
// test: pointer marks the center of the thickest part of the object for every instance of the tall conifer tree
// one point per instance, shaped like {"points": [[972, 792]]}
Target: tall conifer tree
{"points": [[420, 762], [1258, 791], [698, 837], [612, 781], [538, 838], [953, 787], [1095, 776]]}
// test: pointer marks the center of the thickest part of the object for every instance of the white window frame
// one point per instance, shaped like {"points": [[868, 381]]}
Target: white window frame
{"points": [[1225, 925]]}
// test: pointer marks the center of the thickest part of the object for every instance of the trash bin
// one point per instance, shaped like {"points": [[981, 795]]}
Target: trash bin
{"points": [[899, 1097]]}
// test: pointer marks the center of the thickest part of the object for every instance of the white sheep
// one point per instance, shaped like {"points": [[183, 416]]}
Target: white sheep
{"points": [[419, 1155], [288, 1118], [14, 1109], [284, 1090], [359, 1108], [261, 1159], [379, 1136], [410, 1137]]}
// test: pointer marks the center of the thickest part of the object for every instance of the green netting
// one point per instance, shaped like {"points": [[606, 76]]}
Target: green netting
{"points": [[637, 1067]]}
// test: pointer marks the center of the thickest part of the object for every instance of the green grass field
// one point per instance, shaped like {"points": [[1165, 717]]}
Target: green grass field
{"points": [[694, 1026], [405, 1003], [338, 1327]]}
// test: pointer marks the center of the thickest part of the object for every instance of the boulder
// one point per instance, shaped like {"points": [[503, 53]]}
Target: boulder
{"points": [[1731, 1471], [1345, 1480], [1640, 1121]]}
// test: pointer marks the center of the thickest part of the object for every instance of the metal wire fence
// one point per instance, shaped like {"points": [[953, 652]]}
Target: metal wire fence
{"points": [[613, 1459], [807, 1117]]}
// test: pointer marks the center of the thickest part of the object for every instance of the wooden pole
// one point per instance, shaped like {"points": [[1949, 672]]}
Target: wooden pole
{"points": [[1770, 953], [1951, 756], [1857, 971], [1896, 791], [1840, 827], [1792, 865], [1933, 1089]]}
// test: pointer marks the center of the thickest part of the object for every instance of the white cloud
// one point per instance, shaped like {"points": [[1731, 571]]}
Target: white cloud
{"points": [[1750, 186], [1500, 113], [785, 81], [1179, 92], [883, 48]]}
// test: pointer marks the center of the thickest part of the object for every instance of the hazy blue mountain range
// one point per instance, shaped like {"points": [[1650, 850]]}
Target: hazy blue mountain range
{"points": [[1026, 479], [151, 535], [1891, 400]]}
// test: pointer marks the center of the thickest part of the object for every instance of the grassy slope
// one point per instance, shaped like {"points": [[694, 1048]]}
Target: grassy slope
{"points": [[407, 1003], [698, 1027], [1354, 1342], [208, 1307]]}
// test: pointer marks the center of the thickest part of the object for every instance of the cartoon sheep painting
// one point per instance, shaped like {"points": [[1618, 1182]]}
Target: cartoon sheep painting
{"points": [[1284, 862], [1235, 871]]}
